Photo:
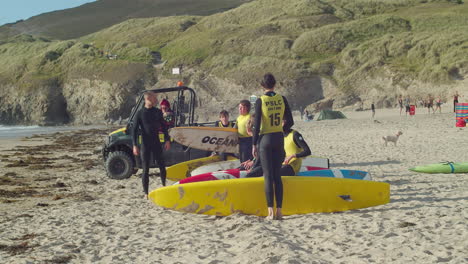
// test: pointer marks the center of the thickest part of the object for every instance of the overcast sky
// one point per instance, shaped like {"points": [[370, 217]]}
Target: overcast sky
{"points": [[14, 10]]}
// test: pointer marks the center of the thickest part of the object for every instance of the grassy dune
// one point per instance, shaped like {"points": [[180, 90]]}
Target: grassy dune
{"points": [[336, 39]]}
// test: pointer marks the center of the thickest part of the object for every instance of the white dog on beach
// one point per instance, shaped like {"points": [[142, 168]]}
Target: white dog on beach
{"points": [[392, 138]]}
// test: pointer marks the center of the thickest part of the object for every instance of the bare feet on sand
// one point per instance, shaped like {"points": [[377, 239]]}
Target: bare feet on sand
{"points": [[274, 216], [279, 214], [271, 215]]}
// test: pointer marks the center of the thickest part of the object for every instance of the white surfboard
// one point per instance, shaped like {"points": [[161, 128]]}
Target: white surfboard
{"points": [[216, 166], [311, 161], [314, 161], [217, 139]]}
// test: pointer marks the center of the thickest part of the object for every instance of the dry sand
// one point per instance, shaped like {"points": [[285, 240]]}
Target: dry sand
{"points": [[70, 212]]}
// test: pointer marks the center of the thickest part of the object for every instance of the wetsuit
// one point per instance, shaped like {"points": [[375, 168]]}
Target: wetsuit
{"points": [[294, 143], [270, 110], [245, 140], [147, 123]]}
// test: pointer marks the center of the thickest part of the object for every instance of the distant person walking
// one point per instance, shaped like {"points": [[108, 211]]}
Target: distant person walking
{"points": [[455, 100], [400, 103], [407, 105], [373, 110], [149, 120], [430, 104], [438, 104], [270, 111]]}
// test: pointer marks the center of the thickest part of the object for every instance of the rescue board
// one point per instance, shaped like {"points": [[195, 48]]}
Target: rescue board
{"points": [[336, 173], [311, 161], [304, 171], [224, 175], [182, 170], [217, 139], [443, 167], [216, 166], [302, 195]]}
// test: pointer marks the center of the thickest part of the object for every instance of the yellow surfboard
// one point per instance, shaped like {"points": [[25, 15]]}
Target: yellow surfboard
{"points": [[182, 170], [302, 195]]}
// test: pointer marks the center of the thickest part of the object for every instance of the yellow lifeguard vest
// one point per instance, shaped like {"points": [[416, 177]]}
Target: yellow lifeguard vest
{"points": [[291, 148], [272, 114], [241, 125], [220, 124]]}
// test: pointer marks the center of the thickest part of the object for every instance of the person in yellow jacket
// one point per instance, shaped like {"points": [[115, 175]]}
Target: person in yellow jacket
{"points": [[245, 140], [270, 111], [295, 148], [224, 120]]}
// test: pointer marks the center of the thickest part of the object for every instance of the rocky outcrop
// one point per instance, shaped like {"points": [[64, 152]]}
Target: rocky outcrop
{"points": [[97, 101], [42, 104], [215, 94], [80, 101], [323, 105], [91, 101]]}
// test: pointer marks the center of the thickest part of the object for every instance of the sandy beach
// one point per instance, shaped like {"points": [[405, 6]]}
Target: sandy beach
{"points": [[58, 206]]}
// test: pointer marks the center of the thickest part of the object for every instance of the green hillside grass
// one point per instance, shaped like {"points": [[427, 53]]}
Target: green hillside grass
{"points": [[92, 17], [344, 41]]}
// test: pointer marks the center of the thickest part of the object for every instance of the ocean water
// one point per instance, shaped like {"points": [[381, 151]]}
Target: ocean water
{"points": [[14, 132]]}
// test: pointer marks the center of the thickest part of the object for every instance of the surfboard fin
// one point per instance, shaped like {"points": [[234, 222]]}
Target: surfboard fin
{"points": [[346, 197]]}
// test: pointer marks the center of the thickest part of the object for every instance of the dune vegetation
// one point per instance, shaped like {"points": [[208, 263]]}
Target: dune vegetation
{"points": [[345, 42]]}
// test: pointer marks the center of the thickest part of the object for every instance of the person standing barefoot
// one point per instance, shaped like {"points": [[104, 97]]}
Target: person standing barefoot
{"points": [[438, 105], [400, 103], [270, 111]]}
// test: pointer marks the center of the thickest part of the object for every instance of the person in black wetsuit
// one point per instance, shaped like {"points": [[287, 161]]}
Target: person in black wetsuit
{"points": [[270, 110], [148, 121], [295, 147]]}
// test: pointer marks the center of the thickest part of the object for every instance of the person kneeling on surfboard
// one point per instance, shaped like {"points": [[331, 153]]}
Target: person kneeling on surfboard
{"points": [[295, 147], [149, 120]]}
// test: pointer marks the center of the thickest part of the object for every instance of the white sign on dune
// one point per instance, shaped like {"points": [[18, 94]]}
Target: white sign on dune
{"points": [[175, 70]]}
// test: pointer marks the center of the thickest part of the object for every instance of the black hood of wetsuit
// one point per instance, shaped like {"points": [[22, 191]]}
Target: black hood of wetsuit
{"points": [[286, 131]]}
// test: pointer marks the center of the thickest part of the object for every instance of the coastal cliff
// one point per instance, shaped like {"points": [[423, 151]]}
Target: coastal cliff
{"points": [[351, 53]]}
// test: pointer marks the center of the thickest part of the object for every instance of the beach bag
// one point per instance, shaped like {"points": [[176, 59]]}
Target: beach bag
{"points": [[461, 123], [461, 114], [412, 110]]}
